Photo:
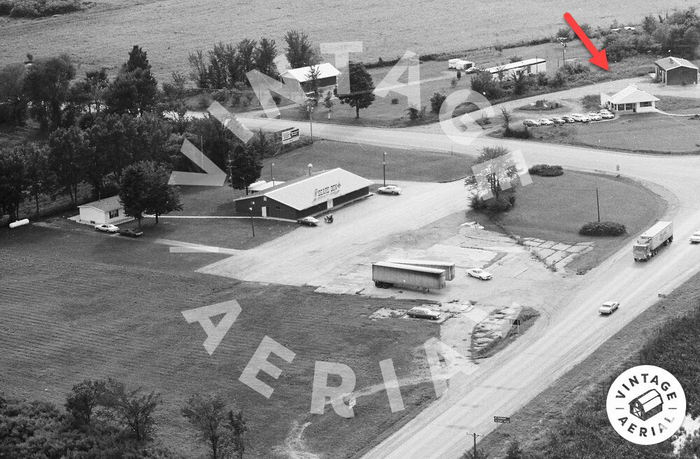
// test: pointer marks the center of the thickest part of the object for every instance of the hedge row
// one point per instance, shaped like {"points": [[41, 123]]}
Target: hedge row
{"points": [[603, 229], [37, 8], [545, 170]]}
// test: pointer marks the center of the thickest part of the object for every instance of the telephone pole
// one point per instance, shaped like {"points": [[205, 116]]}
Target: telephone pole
{"points": [[597, 202], [474, 435]]}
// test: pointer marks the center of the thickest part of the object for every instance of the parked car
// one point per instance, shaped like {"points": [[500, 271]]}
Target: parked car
{"points": [[531, 123], [479, 274], [695, 238], [389, 189], [558, 121], [568, 119], [107, 228], [606, 115], [594, 116], [608, 307], [421, 312], [545, 122], [130, 232], [308, 221], [580, 118]]}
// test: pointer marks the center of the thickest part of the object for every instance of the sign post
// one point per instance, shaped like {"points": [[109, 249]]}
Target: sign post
{"points": [[290, 135], [501, 419]]}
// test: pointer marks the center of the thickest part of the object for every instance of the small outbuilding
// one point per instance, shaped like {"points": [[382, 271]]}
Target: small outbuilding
{"points": [[104, 211], [528, 67], [676, 70], [326, 76], [305, 196], [630, 100]]}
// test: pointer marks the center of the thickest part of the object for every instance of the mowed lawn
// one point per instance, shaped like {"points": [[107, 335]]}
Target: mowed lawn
{"points": [[555, 208], [81, 305], [648, 132]]}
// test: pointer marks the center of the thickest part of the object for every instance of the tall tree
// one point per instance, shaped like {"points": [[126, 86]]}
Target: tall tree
{"points": [[67, 148], [13, 182], [40, 178], [207, 414], [237, 427], [265, 55], [133, 408], [144, 189], [138, 59], [246, 166], [135, 89], [199, 73], [300, 52], [83, 399], [361, 88], [115, 141], [47, 85], [13, 102], [496, 171], [246, 56]]}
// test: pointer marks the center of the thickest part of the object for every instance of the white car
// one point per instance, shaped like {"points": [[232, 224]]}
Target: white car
{"points": [[580, 118], [389, 189], [531, 123], [107, 228], [308, 221], [479, 274], [608, 307], [606, 115], [420, 312], [594, 116], [545, 122], [558, 121], [695, 238]]}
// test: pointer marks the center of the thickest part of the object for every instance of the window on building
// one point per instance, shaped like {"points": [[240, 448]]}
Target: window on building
{"points": [[645, 104], [114, 213], [629, 106]]}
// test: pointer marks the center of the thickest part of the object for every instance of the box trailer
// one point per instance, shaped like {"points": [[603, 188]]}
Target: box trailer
{"points": [[449, 268], [648, 244], [387, 275], [459, 64]]}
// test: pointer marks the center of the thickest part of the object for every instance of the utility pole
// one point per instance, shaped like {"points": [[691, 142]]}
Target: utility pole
{"points": [[474, 435], [597, 202], [272, 176], [384, 168], [252, 220], [310, 108]]}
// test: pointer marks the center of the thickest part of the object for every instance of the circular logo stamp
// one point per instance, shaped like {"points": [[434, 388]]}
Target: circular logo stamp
{"points": [[646, 405]]}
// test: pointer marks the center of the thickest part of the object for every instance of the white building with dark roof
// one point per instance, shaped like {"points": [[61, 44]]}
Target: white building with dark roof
{"points": [[108, 210]]}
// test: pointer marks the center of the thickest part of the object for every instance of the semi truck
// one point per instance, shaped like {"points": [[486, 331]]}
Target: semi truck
{"points": [[387, 275], [648, 244], [449, 268]]}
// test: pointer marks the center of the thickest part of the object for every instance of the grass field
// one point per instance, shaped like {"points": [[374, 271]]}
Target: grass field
{"points": [[555, 208], [646, 132], [109, 306], [549, 411], [170, 29]]}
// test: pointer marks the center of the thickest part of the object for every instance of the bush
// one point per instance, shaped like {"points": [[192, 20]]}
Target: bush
{"points": [[38, 8], [436, 101], [523, 133], [5, 7], [25, 9], [602, 229], [493, 205], [545, 170]]}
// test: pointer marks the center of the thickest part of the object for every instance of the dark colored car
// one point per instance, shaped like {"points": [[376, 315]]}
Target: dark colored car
{"points": [[130, 233]]}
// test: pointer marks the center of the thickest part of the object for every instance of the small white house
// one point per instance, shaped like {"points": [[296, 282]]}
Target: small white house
{"points": [[108, 210], [629, 100], [326, 76], [528, 67]]}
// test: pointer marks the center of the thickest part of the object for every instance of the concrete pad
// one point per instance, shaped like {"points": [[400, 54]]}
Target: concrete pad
{"points": [[577, 248], [530, 243], [542, 252], [555, 257], [547, 244], [561, 246]]}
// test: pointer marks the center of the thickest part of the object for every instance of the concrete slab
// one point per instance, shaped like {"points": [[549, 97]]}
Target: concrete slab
{"points": [[543, 252], [548, 244], [555, 257], [561, 246]]}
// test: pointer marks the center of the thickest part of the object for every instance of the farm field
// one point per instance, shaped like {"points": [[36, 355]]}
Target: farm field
{"points": [[170, 29], [647, 132], [555, 208], [111, 307]]}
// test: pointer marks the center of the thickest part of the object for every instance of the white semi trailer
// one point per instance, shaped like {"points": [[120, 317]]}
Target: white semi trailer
{"points": [[448, 267], [648, 244], [387, 275]]}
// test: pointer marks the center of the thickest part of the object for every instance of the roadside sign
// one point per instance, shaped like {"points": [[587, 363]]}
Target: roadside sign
{"points": [[290, 135], [501, 419]]}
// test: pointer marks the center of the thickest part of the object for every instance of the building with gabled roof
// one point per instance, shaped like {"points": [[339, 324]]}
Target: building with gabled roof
{"points": [[327, 75], [630, 100], [676, 70], [109, 210], [305, 196]]}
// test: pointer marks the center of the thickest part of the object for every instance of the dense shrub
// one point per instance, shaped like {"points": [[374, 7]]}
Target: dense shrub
{"points": [[5, 7], [493, 205], [436, 101], [519, 133], [545, 170], [602, 229], [37, 8]]}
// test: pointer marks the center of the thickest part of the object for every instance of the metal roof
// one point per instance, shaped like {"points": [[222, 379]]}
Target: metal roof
{"points": [[309, 191], [669, 63], [632, 95], [106, 204], [301, 74], [516, 65]]}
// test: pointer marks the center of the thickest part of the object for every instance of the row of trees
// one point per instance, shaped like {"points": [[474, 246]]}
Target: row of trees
{"points": [[226, 65], [105, 418]]}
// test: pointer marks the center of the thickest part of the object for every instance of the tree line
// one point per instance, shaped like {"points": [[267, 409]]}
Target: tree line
{"points": [[106, 418]]}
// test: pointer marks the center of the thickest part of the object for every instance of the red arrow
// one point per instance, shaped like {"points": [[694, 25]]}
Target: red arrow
{"points": [[600, 58]]}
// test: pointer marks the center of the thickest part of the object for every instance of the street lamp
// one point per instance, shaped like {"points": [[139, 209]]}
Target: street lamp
{"points": [[384, 168], [310, 109], [310, 166], [272, 177], [562, 40], [252, 220]]}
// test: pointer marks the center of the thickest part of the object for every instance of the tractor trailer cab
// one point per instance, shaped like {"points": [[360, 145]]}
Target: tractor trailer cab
{"points": [[648, 244]]}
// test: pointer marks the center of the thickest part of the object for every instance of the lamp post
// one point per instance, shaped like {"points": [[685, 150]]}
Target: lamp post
{"points": [[310, 166], [563, 50], [252, 220], [272, 176], [384, 168], [310, 109]]}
